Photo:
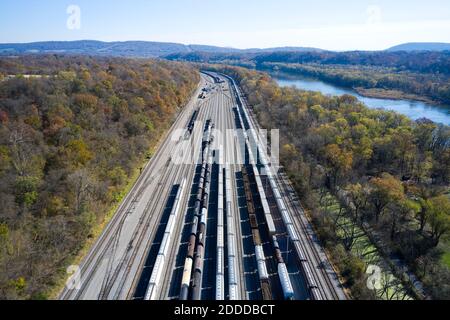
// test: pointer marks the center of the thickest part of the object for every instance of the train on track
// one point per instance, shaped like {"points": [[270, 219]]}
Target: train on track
{"points": [[191, 123], [220, 255], [245, 120], [254, 172], [266, 290], [233, 274], [160, 263], [194, 257], [212, 75]]}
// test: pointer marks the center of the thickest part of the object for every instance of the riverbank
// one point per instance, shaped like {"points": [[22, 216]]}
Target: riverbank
{"points": [[391, 95], [412, 106], [377, 93]]}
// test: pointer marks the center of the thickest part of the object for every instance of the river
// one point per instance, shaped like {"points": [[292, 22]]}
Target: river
{"points": [[413, 109]]}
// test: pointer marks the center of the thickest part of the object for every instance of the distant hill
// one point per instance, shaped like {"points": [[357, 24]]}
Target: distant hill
{"points": [[421, 46], [91, 47], [437, 62], [149, 49], [285, 49], [213, 49], [127, 48]]}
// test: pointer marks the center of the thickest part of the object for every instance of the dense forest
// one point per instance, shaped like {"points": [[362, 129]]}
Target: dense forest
{"points": [[376, 82], [422, 74], [420, 62], [389, 175], [73, 131]]}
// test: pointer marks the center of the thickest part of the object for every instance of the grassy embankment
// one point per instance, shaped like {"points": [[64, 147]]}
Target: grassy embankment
{"points": [[362, 248]]}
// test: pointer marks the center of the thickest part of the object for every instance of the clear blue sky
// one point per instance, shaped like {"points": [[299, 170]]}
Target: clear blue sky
{"points": [[338, 25]]}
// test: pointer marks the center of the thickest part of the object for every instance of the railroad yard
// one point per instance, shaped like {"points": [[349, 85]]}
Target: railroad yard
{"points": [[210, 218]]}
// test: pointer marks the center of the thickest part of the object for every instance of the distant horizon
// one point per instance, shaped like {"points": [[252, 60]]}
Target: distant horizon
{"points": [[218, 46], [365, 25]]}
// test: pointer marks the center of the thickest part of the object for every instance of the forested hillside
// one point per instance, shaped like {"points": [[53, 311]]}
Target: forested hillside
{"points": [[421, 62], [141, 49], [423, 74], [389, 175], [421, 46], [70, 140], [374, 81]]}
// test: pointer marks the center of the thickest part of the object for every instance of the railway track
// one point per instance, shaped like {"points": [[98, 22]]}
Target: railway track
{"points": [[92, 278], [329, 285], [167, 278], [145, 227], [254, 235]]}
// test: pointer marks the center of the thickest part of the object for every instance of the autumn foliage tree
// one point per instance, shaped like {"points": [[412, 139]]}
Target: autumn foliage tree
{"points": [[69, 142], [385, 190], [390, 173]]}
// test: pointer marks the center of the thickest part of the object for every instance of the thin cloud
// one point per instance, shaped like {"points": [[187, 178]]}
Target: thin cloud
{"points": [[366, 36]]}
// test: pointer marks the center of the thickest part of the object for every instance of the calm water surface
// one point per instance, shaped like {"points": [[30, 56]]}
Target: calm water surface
{"points": [[410, 108]]}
